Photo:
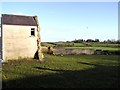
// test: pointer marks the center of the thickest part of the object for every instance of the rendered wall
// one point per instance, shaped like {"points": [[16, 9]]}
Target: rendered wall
{"points": [[18, 41]]}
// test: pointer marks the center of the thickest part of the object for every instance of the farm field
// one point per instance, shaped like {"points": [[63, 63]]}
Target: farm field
{"points": [[93, 46], [69, 71]]}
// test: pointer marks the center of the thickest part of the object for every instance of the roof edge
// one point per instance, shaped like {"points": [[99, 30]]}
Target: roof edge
{"points": [[18, 20], [19, 15]]}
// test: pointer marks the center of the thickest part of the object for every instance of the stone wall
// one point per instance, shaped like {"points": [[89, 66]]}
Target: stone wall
{"points": [[72, 51], [63, 51]]}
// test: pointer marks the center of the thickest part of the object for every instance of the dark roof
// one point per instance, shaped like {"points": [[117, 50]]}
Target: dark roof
{"points": [[18, 20]]}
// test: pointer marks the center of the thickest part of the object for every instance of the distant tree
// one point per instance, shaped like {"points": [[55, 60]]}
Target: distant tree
{"points": [[113, 41], [83, 40], [80, 40], [108, 41], [97, 40], [68, 41], [118, 41], [75, 41], [89, 40]]}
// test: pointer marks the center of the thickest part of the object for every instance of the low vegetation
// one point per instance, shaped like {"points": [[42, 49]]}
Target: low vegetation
{"points": [[85, 45], [75, 47]]}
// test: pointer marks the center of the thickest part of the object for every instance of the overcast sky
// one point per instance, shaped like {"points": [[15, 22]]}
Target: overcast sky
{"points": [[62, 21]]}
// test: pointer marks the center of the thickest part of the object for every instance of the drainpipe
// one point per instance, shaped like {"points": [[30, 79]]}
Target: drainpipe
{"points": [[38, 39], [2, 42]]}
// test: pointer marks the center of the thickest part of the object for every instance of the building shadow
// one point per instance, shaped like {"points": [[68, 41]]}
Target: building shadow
{"points": [[91, 64], [36, 55], [41, 68], [98, 77]]}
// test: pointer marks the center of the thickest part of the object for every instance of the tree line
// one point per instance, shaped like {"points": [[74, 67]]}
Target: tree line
{"points": [[112, 41]]}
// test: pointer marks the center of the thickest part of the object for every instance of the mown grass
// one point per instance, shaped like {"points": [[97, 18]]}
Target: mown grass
{"points": [[69, 71]]}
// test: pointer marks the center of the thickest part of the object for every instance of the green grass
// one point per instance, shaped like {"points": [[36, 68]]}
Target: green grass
{"points": [[62, 44], [62, 71], [104, 45], [95, 48], [46, 44], [78, 45]]}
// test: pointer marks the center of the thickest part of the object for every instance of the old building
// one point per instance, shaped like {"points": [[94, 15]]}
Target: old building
{"points": [[19, 36]]}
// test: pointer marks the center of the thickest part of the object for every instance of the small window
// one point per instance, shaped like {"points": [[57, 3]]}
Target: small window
{"points": [[32, 31]]}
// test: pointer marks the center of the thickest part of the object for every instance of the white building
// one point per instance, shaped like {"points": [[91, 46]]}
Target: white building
{"points": [[19, 36]]}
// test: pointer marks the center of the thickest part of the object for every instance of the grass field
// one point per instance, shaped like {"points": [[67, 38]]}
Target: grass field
{"points": [[93, 44], [70, 71], [95, 48]]}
